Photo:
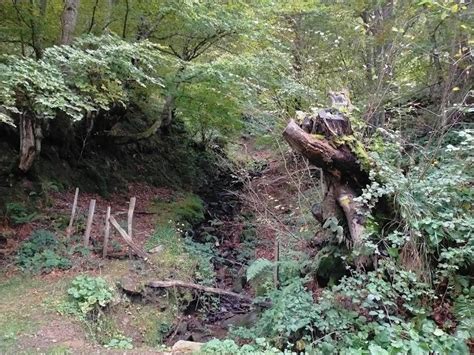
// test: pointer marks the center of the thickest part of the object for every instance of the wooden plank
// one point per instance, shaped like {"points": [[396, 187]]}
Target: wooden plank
{"points": [[128, 240], [90, 219], [73, 214], [106, 232]]}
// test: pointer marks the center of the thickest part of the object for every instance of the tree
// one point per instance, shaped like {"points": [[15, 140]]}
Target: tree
{"points": [[90, 75], [68, 21]]}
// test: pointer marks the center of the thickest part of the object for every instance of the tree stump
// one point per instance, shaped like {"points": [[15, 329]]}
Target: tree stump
{"points": [[344, 175]]}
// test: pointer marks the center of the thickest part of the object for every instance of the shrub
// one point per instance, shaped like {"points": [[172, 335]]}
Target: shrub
{"points": [[89, 294], [386, 309], [42, 252]]}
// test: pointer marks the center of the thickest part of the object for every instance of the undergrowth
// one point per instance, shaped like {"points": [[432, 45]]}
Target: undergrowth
{"points": [[418, 297], [43, 252]]}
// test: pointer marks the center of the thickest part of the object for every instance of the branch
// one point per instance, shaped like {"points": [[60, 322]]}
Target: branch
{"points": [[218, 291], [355, 220]]}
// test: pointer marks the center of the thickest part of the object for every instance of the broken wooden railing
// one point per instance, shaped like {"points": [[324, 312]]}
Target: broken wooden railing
{"points": [[127, 235]]}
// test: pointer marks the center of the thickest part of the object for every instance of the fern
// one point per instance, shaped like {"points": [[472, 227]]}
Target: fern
{"points": [[258, 267]]}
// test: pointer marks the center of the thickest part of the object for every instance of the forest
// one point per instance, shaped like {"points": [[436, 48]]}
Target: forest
{"points": [[236, 177]]}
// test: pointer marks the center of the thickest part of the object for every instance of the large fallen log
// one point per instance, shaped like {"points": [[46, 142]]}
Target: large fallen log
{"points": [[337, 161]]}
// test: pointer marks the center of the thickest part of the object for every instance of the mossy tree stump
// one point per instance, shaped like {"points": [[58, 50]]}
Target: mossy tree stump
{"points": [[323, 139]]}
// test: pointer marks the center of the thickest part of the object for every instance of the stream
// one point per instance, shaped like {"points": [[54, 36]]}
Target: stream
{"points": [[227, 229]]}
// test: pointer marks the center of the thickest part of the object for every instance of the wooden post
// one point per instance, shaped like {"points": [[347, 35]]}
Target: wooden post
{"points": [[106, 232], [90, 218], [131, 208], [73, 214]]}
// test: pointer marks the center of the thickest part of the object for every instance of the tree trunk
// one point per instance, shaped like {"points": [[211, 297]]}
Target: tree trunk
{"points": [[125, 20], [30, 142], [167, 113], [68, 21]]}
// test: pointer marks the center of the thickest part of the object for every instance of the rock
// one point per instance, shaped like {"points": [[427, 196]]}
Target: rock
{"points": [[186, 347], [131, 285]]}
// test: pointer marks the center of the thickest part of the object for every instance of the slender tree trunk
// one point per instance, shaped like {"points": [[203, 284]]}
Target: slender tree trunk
{"points": [[108, 15], [125, 20], [295, 22], [94, 10], [68, 21]]}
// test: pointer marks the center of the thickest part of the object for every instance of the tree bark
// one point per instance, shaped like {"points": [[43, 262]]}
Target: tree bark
{"points": [[68, 21], [167, 113], [30, 142]]}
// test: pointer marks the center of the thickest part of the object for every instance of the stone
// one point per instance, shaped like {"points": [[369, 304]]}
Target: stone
{"points": [[131, 285], [186, 347]]}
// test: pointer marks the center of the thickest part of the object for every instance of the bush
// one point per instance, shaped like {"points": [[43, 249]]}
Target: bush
{"points": [[228, 346], [42, 252], [89, 294], [383, 310]]}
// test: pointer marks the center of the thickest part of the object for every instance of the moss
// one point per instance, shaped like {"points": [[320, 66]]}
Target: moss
{"points": [[319, 137], [153, 325], [190, 209], [185, 208], [344, 201], [357, 148]]}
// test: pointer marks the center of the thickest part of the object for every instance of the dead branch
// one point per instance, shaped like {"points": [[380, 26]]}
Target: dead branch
{"points": [[218, 291]]}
